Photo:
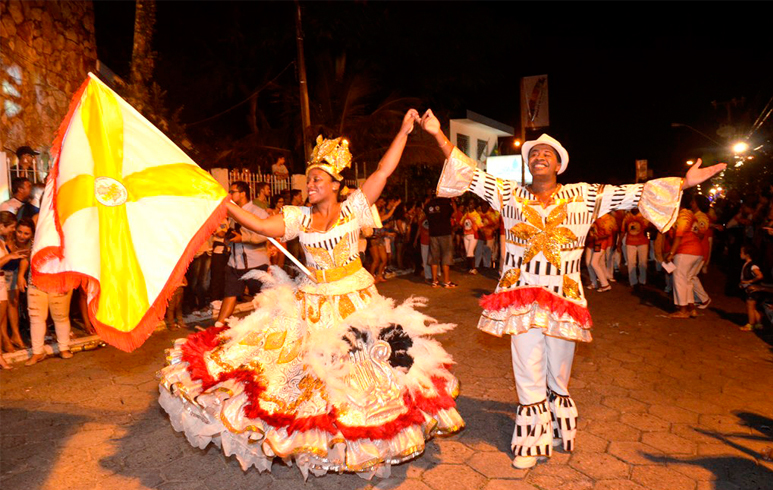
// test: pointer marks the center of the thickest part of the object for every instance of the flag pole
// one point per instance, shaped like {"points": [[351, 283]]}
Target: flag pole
{"points": [[293, 259]]}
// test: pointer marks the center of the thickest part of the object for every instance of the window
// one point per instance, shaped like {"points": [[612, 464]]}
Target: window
{"points": [[482, 154], [463, 143]]}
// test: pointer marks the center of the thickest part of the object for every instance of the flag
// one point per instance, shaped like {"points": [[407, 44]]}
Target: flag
{"points": [[534, 102], [123, 213]]}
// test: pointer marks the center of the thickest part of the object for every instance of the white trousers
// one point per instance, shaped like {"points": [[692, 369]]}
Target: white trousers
{"points": [[598, 262], [687, 286], [636, 256], [540, 362], [542, 366], [39, 303], [424, 257], [469, 245]]}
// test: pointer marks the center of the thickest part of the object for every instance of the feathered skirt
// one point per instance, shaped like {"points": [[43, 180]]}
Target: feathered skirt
{"points": [[345, 382]]}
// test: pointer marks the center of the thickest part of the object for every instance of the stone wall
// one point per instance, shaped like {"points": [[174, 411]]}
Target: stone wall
{"points": [[46, 50]]}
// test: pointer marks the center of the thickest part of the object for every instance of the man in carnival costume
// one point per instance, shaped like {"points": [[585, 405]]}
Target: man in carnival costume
{"points": [[539, 300]]}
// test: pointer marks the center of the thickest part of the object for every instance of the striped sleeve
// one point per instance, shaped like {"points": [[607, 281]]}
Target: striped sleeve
{"points": [[658, 200], [460, 174]]}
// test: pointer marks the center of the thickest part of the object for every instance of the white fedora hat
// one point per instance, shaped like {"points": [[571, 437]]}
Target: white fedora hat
{"points": [[550, 141]]}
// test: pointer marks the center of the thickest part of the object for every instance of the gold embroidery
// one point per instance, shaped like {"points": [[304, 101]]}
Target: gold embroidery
{"points": [[510, 278], [341, 251], [275, 340], [345, 306], [546, 237], [252, 339], [322, 257], [571, 288], [314, 316], [289, 352], [308, 386]]}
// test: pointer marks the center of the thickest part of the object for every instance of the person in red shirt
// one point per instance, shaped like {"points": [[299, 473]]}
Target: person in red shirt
{"points": [[636, 246], [471, 222], [604, 241], [687, 255]]}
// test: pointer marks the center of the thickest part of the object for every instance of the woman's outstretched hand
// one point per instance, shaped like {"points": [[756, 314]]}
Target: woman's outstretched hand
{"points": [[411, 117], [697, 175], [430, 123]]}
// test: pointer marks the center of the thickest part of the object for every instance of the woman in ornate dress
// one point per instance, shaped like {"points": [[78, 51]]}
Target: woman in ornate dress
{"points": [[325, 372]]}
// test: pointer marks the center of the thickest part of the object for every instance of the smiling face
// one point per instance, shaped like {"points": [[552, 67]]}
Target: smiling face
{"points": [[321, 186], [23, 235], [543, 161]]}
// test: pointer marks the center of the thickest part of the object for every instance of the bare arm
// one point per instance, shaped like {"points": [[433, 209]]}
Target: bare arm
{"points": [[431, 125], [273, 226], [21, 280], [375, 184]]}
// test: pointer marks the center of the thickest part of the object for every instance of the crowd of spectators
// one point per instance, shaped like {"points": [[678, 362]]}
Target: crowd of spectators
{"points": [[425, 237]]}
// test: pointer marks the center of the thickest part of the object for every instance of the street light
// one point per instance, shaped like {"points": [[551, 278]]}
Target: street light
{"points": [[740, 147], [517, 143], [689, 162]]}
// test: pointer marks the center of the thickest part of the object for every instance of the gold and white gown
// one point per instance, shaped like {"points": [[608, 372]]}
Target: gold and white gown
{"points": [[329, 374]]}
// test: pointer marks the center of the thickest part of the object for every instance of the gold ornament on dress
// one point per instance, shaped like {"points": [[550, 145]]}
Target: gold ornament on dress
{"points": [[510, 278], [345, 306], [275, 340], [571, 288], [332, 156], [545, 237]]}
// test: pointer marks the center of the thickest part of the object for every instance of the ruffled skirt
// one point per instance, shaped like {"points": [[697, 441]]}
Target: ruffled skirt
{"points": [[355, 392]]}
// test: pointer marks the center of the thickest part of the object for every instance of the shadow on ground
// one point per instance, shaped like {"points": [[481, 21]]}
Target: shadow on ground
{"points": [[26, 461], [745, 472]]}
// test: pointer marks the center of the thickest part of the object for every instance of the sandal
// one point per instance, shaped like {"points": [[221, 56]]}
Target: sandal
{"points": [[435, 284], [449, 285]]}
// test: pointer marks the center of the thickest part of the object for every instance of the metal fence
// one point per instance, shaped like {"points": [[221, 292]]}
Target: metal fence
{"points": [[277, 184]]}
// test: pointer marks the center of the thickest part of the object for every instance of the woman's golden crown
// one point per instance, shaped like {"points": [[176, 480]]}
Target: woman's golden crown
{"points": [[331, 155]]}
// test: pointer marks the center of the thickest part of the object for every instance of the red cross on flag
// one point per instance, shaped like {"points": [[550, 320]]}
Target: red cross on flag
{"points": [[123, 213]]}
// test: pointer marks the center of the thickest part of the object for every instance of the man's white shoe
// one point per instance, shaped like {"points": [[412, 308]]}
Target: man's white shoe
{"points": [[557, 442], [524, 462]]}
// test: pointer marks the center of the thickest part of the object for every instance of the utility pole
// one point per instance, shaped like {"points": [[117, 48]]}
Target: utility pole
{"points": [[305, 117], [524, 105]]}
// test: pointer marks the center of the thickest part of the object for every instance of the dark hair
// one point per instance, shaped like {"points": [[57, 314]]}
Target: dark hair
{"points": [[27, 210], [702, 202], [686, 200], [295, 192], [242, 186], [749, 250], [6, 218], [28, 223], [18, 183], [260, 186], [275, 199]]}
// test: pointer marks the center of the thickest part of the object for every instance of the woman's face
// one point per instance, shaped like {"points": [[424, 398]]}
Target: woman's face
{"points": [[23, 234], [320, 185], [280, 203], [7, 230]]}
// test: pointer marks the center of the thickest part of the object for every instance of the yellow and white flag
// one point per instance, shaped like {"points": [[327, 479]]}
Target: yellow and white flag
{"points": [[123, 213]]}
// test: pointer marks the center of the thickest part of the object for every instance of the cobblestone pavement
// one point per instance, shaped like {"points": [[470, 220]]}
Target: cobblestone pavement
{"points": [[664, 404]]}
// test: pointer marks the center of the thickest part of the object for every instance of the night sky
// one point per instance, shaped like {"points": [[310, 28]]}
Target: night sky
{"points": [[619, 73]]}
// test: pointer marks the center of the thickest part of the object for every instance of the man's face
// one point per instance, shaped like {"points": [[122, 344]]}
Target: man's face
{"points": [[26, 160], [280, 161], [543, 161], [25, 191], [237, 196], [265, 193]]}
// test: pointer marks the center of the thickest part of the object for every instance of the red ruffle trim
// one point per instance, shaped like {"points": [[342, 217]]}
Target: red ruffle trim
{"points": [[545, 299], [200, 343]]}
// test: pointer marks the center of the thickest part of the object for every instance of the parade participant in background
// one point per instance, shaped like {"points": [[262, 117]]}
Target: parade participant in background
{"points": [[687, 255], [539, 300], [327, 374], [636, 246], [471, 223], [602, 247]]}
